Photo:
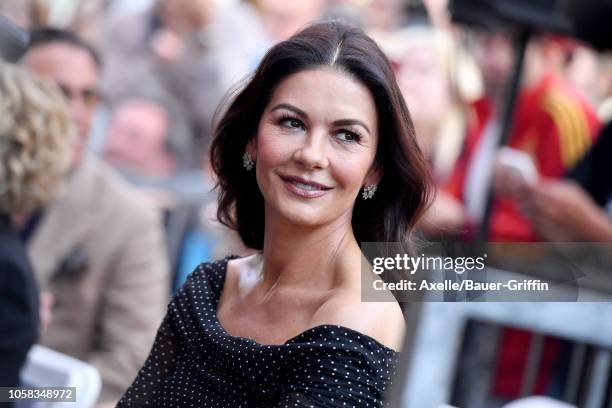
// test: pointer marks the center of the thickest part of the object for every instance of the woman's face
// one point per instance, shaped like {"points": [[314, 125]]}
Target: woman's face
{"points": [[315, 147], [424, 85]]}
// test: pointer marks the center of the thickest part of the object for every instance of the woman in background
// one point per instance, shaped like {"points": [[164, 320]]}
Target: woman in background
{"points": [[316, 154], [35, 132]]}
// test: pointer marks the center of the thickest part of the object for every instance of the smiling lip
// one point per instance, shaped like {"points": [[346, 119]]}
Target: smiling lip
{"points": [[305, 188]]}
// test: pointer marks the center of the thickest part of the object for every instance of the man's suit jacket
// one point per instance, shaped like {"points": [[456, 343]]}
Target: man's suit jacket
{"points": [[100, 250], [18, 306]]}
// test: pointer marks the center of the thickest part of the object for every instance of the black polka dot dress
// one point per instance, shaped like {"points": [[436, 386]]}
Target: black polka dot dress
{"points": [[194, 362]]}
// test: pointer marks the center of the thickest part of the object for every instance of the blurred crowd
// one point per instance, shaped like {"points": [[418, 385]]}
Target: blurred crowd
{"points": [[133, 87]]}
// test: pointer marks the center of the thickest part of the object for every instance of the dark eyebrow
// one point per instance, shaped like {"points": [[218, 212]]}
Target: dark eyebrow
{"points": [[351, 122], [341, 122], [291, 108]]}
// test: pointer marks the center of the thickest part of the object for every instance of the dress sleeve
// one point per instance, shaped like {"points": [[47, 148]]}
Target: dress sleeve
{"points": [[357, 375], [159, 365], [157, 376]]}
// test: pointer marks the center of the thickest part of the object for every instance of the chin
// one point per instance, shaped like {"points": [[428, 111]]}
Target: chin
{"points": [[310, 215], [303, 215]]}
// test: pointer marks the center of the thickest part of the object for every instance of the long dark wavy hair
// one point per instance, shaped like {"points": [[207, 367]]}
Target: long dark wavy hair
{"points": [[404, 190]]}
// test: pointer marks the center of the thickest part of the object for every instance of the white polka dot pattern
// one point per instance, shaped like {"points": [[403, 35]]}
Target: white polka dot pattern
{"points": [[194, 362]]}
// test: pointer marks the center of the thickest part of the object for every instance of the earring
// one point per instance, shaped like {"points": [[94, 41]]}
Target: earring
{"points": [[368, 191], [247, 161]]}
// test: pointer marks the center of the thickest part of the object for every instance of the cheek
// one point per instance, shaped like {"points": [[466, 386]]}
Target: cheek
{"points": [[270, 150], [350, 173]]}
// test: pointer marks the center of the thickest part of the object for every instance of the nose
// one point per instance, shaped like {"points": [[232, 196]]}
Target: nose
{"points": [[312, 152], [80, 112], [118, 144], [114, 144]]}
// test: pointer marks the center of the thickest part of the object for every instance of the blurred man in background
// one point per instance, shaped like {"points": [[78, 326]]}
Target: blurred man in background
{"points": [[99, 248], [138, 139]]}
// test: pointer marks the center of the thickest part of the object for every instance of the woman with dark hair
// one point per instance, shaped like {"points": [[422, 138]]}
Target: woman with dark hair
{"points": [[315, 155]]}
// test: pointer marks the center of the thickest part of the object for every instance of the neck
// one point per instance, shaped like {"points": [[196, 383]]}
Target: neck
{"points": [[321, 257], [18, 220]]}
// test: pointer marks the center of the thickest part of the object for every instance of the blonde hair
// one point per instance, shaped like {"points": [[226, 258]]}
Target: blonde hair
{"points": [[35, 140]]}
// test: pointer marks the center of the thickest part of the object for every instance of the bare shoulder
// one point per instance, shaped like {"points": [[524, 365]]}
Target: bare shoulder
{"points": [[383, 321]]}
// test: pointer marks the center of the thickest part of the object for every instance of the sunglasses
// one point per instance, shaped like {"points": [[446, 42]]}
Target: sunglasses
{"points": [[90, 97]]}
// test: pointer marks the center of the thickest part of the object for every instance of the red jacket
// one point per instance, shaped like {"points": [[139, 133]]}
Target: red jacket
{"points": [[553, 124]]}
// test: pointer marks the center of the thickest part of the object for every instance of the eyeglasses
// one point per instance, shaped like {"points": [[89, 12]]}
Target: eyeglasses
{"points": [[90, 97]]}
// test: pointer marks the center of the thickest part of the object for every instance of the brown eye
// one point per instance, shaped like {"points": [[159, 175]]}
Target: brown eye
{"points": [[348, 136], [90, 97], [291, 123]]}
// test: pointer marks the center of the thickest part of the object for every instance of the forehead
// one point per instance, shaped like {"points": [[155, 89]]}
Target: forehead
{"points": [[140, 113], [63, 62], [293, 7], [139, 107], [327, 93]]}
